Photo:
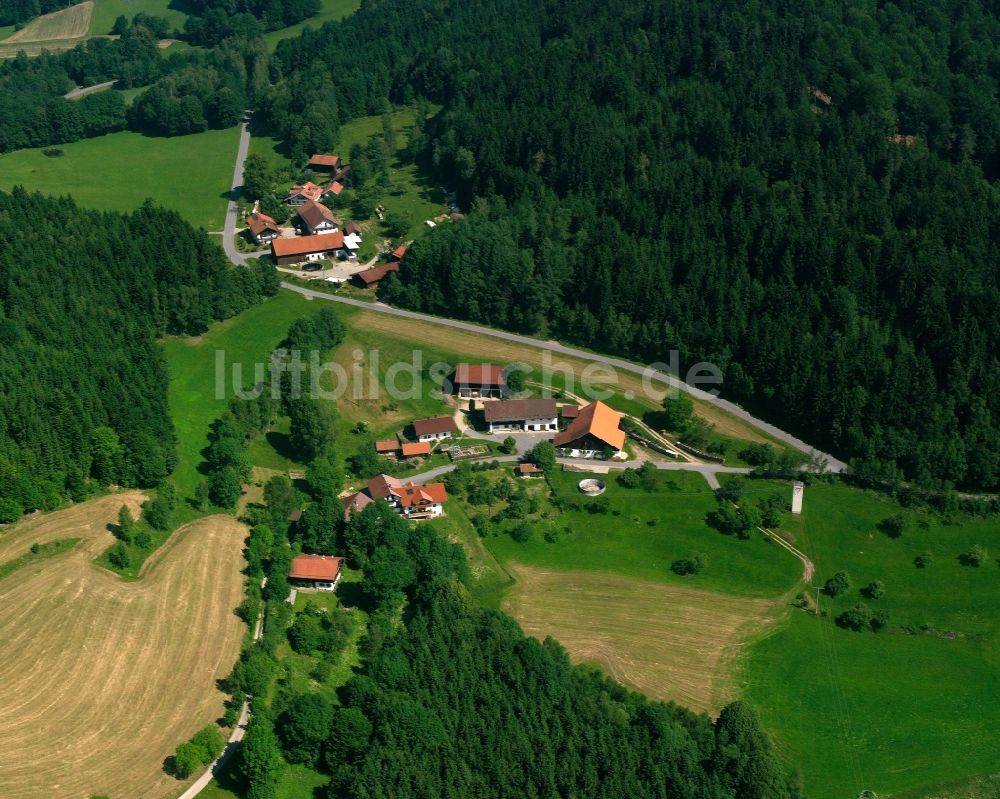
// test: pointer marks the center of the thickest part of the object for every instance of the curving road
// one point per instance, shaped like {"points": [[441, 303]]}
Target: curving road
{"points": [[232, 209], [831, 463]]}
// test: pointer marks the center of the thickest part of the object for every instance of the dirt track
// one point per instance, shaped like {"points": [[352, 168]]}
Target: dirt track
{"points": [[100, 678], [670, 642]]}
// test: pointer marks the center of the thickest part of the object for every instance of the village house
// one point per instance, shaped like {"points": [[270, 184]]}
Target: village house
{"points": [[594, 433], [352, 229], [408, 499], [434, 429], [321, 572], [369, 278], [524, 414], [306, 248], [307, 192], [262, 227], [317, 219], [327, 164], [479, 381]]}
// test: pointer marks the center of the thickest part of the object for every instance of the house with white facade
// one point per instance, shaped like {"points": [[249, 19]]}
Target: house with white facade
{"points": [[594, 433], [321, 572], [410, 500], [530, 415], [317, 219], [434, 429]]}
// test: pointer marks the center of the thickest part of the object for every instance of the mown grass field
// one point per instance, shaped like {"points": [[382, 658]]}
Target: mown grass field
{"points": [[330, 11], [903, 709], [670, 642], [90, 664], [118, 172], [60, 30], [107, 11], [246, 340]]}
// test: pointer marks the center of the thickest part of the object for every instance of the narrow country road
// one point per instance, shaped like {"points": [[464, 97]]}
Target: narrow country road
{"points": [[83, 91], [832, 464], [229, 230]]}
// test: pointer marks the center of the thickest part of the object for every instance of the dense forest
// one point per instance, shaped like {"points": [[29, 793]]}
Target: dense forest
{"points": [[803, 193], [453, 700], [14, 11], [83, 385]]}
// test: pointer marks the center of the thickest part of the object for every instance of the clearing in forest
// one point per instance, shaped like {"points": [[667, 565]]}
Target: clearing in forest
{"points": [[60, 30], [669, 642], [102, 678]]}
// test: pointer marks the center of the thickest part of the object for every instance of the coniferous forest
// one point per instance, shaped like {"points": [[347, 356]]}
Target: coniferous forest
{"points": [[803, 193], [83, 385]]}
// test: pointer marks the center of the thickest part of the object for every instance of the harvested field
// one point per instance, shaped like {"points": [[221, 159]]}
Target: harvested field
{"points": [[671, 643], [59, 30], [101, 678]]}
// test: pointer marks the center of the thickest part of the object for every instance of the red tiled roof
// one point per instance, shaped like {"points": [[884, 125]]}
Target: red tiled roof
{"points": [[519, 410], [334, 188], [400, 251], [324, 160], [412, 494], [316, 567], [439, 424], [309, 190], [528, 468], [478, 375], [569, 411], [258, 223], [376, 273], [305, 245], [386, 445], [597, 420], [419, 448]]}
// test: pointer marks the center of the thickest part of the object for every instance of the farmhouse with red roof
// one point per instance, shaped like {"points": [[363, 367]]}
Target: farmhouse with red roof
{"points": [[321, 572]]}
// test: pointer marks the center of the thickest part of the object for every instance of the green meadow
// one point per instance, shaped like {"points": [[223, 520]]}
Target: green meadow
{"points": [[912, 706], [118, 172], [107, 11], [246, 340], [330, 11]]}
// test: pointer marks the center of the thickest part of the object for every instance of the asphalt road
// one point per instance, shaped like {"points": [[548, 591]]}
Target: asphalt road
{"points": [[832, 463], [229, 230], [83, 91]]}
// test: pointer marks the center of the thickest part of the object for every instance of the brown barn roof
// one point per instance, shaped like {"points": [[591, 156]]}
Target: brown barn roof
{"points": [[352, 227], [528, 468], [382, 485], [316, 567], [314, 214], [355, 502], [399, 252], [386, 445], [478, 375], [376, 273], [569, 411], [518, 410], [439, 424], [597, 420], [327, 161], [305, 245], [309, 190]]}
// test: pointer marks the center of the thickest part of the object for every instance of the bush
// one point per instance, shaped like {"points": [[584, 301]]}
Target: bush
{"points": [[976, 556], [209, 741], [143, 539], [509, 446], [923, 560], [894, 526], [600, 505], [730, 489], [880, 619], [874, 590], [629, 479], [692, 564], [522, 533], [857, 618], [837, 584], [543, 455], [187, 760]]}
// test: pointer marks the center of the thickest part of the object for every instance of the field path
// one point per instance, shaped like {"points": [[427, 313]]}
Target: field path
{"points": [[670, 642], [100, 678]]}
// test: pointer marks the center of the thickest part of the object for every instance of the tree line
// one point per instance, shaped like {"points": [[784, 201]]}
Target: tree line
{"points": [[83, 385], [804, 195]]}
